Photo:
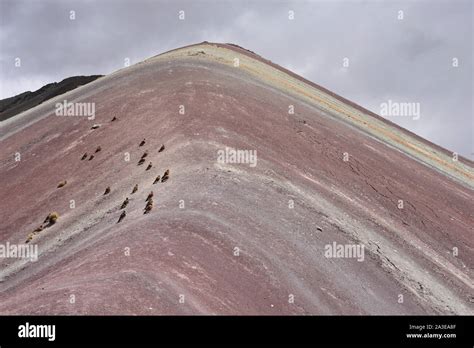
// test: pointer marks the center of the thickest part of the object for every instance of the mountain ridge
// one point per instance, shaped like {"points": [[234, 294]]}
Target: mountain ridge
{"points": [[15, 105]]}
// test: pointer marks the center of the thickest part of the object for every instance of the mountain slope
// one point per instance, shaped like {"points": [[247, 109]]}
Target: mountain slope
{"points": [[230, 238]]}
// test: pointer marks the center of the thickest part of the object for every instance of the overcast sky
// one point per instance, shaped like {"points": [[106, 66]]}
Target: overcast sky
{"points": [[406, 60]]}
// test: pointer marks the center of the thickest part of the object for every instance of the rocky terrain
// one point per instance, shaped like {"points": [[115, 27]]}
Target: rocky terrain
{"points": [[151, 218]]}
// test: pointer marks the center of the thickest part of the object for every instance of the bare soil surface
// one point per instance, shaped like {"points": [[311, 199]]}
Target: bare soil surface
{"points": [[229, 238]]}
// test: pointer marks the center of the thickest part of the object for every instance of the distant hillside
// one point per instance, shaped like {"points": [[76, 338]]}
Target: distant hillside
{"points": [[14, 105]]}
